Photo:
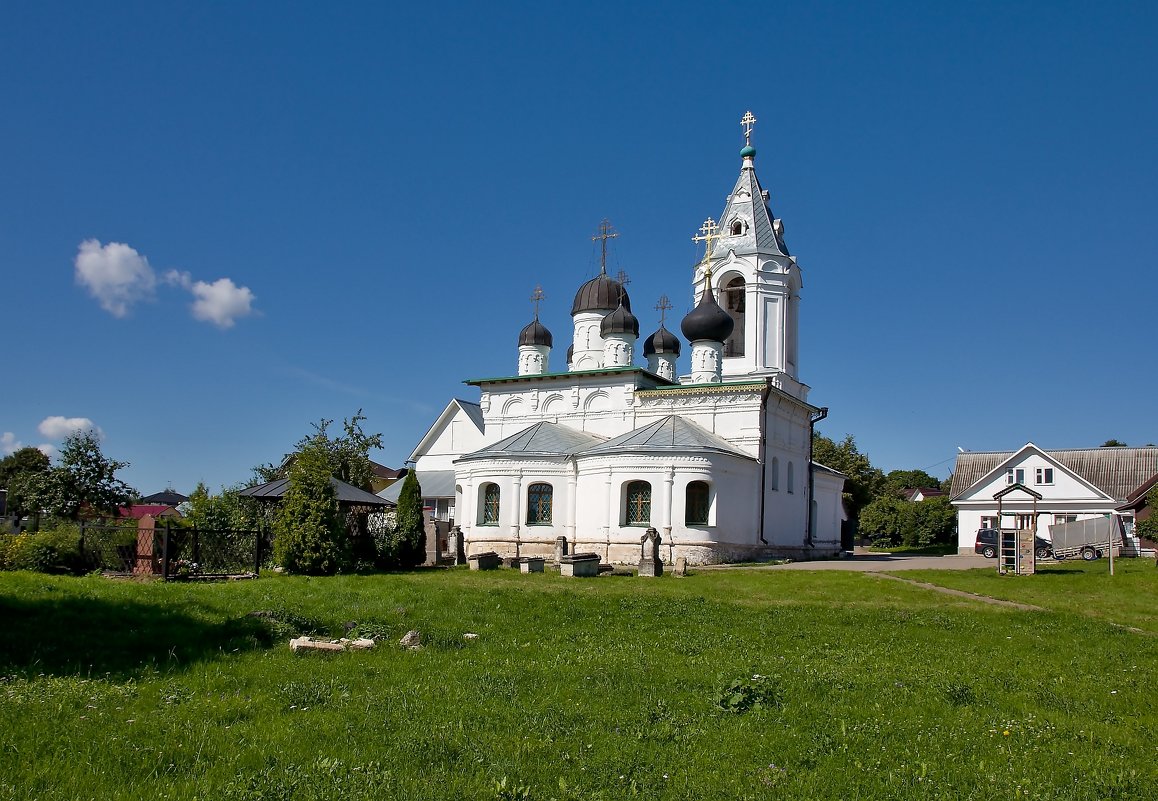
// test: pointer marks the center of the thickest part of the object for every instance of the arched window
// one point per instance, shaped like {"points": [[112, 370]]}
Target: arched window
{"points": [[638, 511], [737, 228], [490, 504], [539, 497], [697, 503], [733, 297], [791, 488], [775, 473]]}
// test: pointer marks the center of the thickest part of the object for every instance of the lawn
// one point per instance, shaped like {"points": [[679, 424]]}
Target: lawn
{"points": [[726, 684]]}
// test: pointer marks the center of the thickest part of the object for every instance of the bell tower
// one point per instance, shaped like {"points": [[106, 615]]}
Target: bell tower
{"points": [[756, 281]]}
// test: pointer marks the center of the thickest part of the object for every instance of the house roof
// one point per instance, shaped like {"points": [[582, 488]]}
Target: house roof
{"points": [[1137, 499], [671, 433], [382, 471], [1114, 471], [928, 492], [167, 497], [347, 493], [541, 439], [434, 484]]}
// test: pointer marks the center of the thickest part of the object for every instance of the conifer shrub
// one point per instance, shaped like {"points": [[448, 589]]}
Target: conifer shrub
{"points": [[405, 545], [309, 528]]}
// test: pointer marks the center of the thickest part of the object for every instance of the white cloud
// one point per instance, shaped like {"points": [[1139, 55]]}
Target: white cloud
{"points": [[9, 444], [47, 449], [118, 276], [57, 427], [115, 274], [221, 302]]}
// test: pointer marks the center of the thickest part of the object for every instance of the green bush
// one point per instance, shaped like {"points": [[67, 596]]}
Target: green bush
{"points": [[53, 551], [309, 530]]}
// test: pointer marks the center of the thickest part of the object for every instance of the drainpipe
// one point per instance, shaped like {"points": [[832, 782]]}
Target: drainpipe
{"points": [[812, 421], [763, 453]]}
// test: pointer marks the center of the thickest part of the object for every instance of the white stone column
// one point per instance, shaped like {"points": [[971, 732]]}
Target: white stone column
{"points": [[663, 365], [517, 509], [707, 361], [569, 513], [588, 342], [612, 511], [533, 359], [618, 350], [667, 500]]}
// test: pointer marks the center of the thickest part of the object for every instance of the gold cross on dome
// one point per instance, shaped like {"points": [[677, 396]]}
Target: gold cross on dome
{"points": [[747, 121], [537, 296], [707, 234], [605, 232], [663, 306], [622, 278]]}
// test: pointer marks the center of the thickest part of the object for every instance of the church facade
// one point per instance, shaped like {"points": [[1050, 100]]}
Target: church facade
{"points": [[717, 460]]}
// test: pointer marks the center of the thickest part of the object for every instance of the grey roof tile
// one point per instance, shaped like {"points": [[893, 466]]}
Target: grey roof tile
{"points": [[543, 439], [434, 484], [671, 433], [747, 200]]}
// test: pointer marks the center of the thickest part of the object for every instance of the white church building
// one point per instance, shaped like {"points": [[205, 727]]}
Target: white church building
{"points": [[616, 440]]}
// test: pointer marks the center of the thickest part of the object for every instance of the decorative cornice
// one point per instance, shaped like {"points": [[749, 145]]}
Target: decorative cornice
{"points": [[701, 389]]}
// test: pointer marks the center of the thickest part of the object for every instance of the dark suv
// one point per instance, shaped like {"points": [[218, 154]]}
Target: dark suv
{"points": [[986, 544]]}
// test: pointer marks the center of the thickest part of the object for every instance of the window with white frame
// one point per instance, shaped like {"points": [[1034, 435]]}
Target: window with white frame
{"points": [[1043, 475], [1065, 518], [988, 522], [1015, 475]]}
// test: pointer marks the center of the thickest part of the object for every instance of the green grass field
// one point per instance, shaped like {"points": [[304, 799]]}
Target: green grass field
{"points": [[726, 684]]}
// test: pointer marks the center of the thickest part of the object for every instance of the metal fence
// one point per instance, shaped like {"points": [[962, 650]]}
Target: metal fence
{"points": [[175, 552]]}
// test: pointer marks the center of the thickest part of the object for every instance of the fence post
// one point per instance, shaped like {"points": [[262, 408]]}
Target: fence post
{"points": [[165, 553], [258, 538]]}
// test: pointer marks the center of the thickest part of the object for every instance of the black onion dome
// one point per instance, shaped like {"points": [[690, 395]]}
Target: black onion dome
{"points": [[620, 321], [662, 341], [601, 293], [707, 320], [535, 334]]}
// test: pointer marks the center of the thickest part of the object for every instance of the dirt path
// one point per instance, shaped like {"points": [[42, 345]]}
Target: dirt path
{"points": [[962, 594]]}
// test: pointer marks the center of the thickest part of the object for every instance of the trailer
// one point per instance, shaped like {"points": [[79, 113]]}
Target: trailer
{"points": [[1088, 539]]}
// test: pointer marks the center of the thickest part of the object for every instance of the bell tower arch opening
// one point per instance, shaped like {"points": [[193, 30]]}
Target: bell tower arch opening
{"points": [[733, 290]]}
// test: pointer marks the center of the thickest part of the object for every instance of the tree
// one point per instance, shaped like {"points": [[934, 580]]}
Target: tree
{"points": [[1148, 528], [898, 480], [1114, 443], [406, 545], [347, 455], [888, 520], [863, 479], [16, 470], [881, 520], [85, 482], [309, 530], [226, 510]]}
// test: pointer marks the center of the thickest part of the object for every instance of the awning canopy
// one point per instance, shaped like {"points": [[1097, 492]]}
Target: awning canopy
{"points": [[348, 494]]}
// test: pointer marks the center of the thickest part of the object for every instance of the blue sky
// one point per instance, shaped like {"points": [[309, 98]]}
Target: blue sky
{"points": [[317, 210]]}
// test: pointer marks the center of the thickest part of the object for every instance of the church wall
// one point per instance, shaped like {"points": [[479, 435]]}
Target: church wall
{"points": [[512, 535], [601, 520], [828, 512], [599, 405]]}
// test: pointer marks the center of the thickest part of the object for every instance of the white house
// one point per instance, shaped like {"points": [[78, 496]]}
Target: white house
{"points": [[599, 448], [1074, 485]]}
